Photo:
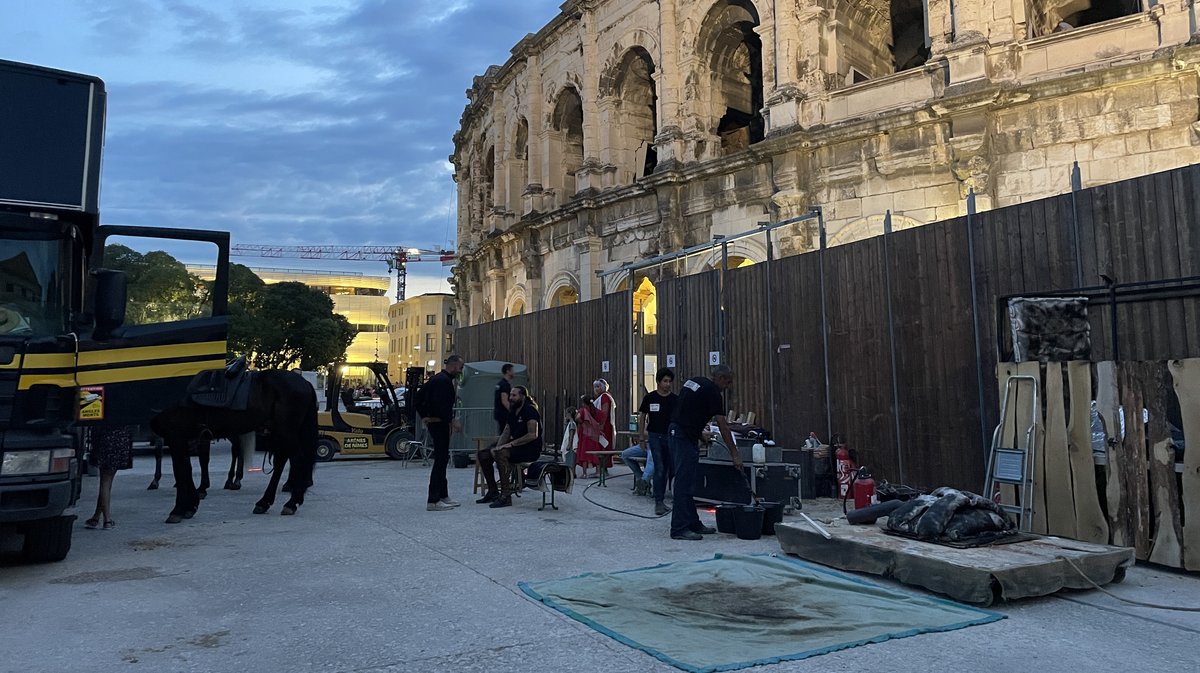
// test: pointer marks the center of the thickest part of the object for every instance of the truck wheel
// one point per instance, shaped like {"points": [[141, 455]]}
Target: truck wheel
{"points": [[48, 540], [397, 445], [325, 450]]}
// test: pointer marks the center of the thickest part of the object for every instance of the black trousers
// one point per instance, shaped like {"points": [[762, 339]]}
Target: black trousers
{"points": [[438, 487]]}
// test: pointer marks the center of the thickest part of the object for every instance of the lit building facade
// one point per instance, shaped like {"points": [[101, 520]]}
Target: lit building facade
{"points": [[420, 333]]}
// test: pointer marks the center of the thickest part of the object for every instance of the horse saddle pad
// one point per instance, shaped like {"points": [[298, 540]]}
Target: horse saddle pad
{"points": [[216, 388]]}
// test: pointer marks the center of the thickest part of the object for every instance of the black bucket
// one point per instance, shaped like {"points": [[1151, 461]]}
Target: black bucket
{"points": [[772, 514], [726, 518], [749, 522]]}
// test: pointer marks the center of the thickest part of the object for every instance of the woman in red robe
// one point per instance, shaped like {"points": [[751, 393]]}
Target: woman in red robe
{"points": [[596, 427]]}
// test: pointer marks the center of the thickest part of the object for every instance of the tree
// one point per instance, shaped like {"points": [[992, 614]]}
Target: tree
{"points": [[160, 289], [298, 327], [245, 300]]}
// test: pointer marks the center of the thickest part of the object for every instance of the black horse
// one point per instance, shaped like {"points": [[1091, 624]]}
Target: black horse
{"points": [[280, 403]]}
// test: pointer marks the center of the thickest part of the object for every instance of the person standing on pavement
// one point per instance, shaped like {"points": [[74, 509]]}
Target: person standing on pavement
{"points": [[699, 402], [501, 405], [654, 420], [438, 416]]}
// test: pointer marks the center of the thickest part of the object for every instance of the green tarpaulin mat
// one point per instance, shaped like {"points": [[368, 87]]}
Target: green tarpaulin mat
{"points": [[734, 611]]}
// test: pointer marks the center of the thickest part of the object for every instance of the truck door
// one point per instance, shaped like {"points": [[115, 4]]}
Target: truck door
{"points": [[145, 366]]}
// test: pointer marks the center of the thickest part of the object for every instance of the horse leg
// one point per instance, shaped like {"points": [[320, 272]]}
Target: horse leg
{"points": [[158, 456], [268, 498], [186, 498], [235, 466], [203, 453]]}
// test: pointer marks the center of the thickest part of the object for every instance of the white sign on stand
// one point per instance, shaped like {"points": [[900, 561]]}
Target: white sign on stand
{"points": [[714, 357], [604, 366], [671, 360]]}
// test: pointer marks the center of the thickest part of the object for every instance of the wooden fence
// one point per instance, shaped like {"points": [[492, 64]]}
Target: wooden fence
{"points": [[911, 321]]}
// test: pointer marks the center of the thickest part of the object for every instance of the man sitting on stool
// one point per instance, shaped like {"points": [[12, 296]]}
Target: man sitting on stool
{"points": [[520, 442]]}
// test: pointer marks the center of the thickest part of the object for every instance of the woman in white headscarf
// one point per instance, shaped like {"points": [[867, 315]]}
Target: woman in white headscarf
{"points": [[597, 433]]}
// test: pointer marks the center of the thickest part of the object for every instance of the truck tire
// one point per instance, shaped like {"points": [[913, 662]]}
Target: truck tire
{"points": [[396, 445], [48, 540]]}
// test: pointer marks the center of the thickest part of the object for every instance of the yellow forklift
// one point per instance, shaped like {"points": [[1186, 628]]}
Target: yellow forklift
{"points": [[360, 430]]}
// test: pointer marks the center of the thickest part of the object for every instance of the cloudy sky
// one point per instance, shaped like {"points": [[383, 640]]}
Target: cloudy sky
{"points": [[281, 121]]}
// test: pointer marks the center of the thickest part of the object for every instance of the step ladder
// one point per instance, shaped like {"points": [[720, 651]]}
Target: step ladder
{"points": [[1014, 465]]}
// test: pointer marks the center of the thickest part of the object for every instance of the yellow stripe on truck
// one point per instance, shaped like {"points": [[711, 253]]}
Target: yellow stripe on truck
{"points": [[145, 353]]}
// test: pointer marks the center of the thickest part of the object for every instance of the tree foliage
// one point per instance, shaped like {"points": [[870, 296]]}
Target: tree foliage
{"points": [[160, 289], [277, 326]]}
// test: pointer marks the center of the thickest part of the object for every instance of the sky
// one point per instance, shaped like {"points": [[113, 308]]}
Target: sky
{"points": [[290, 122]]}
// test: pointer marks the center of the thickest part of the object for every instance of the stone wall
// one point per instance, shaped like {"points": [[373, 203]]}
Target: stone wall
{"points": [[619, 130]]}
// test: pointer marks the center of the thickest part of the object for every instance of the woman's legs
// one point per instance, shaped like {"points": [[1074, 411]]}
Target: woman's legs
{"points": [[103, 499]]}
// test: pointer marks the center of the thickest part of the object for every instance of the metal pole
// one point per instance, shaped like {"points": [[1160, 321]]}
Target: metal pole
{"points": [[770, 333], [1076, 185], [986, 442], [824, 326], [724, 280], [1112, 304], [887, 286]]}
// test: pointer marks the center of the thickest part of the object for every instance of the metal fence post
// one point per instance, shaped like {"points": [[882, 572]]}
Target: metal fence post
{"points": [[1076, 185], [887, 287], [770, 330], [824, 324], [983, 433]]}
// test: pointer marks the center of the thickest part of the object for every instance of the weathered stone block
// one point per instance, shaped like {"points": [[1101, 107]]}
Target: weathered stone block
{"points": [[1170, 138], [912, 199], [1108, 148], [1168, 91], [1137, 143], [942, 195]]}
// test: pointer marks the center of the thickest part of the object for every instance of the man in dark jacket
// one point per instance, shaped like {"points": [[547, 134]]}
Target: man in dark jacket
{"points": [[500, 405], [439, 421], [700, 401]]}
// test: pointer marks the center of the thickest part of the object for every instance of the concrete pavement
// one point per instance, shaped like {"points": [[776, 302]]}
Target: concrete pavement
{"points": [[363, 579]]}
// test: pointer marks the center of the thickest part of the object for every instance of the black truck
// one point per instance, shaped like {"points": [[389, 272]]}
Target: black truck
{"points": [[68, 360]]}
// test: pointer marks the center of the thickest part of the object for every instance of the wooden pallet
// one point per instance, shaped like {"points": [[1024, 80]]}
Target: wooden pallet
{"points": [[980, 575]]}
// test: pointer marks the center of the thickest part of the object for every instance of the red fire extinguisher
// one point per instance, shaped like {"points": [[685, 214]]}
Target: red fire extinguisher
{"points": [[864, 489], [845, 470]]}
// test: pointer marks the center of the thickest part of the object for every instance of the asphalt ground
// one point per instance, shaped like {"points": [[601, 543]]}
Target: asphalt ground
{"points": [[363, 579]]}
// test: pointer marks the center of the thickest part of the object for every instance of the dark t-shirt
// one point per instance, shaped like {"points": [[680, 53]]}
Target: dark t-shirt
{"points": [[699, 400], [659, 409], [518, 425], [499, 412]]}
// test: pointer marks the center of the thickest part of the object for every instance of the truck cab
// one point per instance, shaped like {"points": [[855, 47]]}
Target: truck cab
{"points": [[68, 361]]}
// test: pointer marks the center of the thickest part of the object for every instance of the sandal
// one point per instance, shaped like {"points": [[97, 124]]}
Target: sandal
{"points": [[92, 522], [109, 524]]}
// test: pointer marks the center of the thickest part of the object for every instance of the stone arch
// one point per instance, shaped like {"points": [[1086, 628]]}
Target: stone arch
{"points": [[1054, 16], [876, 39], [629, 86], [566, 142], [489, 179], [516, 302], [730, 52], [866, 227], [742, 252], [562, 290]]}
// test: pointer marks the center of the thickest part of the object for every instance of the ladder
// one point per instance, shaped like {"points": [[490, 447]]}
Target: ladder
{"points": [[1014, 465]]}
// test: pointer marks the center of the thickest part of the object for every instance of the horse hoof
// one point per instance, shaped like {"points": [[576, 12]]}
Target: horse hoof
{"points": [[288, 511], [202, 494], [174, 518], [189, 514], [261, 509], [153, 486]]}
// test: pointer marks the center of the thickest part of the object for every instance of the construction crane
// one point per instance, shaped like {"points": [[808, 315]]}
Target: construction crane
{"points": [[397, 257]]}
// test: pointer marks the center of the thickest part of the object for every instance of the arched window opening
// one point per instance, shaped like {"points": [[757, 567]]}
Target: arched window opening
{"points": [[567, 126], [519, 176], [638, 124], [489, 180], [565, 296], [909, 42], [1057, 16], [735, 51]]}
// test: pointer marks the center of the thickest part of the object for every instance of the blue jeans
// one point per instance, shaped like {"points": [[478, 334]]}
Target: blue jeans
{"points": [[627, 456], [663, 468], [686, 455]]}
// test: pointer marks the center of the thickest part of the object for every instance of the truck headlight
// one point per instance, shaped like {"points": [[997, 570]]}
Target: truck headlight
{"points": [[25, 462]]}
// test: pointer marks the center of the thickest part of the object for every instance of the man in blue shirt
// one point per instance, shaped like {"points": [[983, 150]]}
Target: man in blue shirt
{"points": [[700, 400]]}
